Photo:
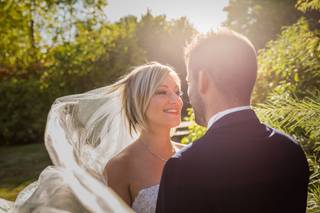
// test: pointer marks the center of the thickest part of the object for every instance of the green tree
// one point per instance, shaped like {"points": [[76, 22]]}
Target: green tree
{"points": [[92, 54], [26, 61], [27, 26], [290, 64], [95, 58], [164, 41], [306, 5], [260, 20]]}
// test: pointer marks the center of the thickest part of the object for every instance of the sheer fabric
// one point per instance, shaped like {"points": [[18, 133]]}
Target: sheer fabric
{"points": [[83, 132]]}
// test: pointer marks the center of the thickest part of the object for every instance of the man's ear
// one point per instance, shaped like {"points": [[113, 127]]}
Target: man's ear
{"points": [[203, 81]]}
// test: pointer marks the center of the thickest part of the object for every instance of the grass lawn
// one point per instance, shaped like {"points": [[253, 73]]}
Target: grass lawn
{"points": [[20, 166]]}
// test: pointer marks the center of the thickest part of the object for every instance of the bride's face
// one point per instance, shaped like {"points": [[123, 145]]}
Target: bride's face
{"points": [[165, 105]]}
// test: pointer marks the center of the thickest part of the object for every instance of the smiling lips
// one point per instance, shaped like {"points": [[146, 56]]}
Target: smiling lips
{"points": [[172, 111]]}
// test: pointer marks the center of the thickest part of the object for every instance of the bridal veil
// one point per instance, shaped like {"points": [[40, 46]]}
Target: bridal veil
{"points": [[83, 132]]}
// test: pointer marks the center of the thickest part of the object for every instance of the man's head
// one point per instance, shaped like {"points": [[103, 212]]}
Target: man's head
{"points": [[221, 72]]}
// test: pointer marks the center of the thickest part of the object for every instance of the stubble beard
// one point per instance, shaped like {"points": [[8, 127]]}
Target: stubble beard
{"points": [[199, 112]]}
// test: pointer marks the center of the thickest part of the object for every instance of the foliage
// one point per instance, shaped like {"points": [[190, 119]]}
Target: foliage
{"points": [[95, 58], [260, 21], [25, 61], [27, 27], [305, 5], [66, 47], [290, 64], [313, 205], [299, 118], [24, 107], [164, 40], [195, 131]]}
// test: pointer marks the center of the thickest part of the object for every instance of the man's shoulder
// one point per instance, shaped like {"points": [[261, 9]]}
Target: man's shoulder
{"points": [[277, 136], [283, 135], [189, 151], [283, 143]]}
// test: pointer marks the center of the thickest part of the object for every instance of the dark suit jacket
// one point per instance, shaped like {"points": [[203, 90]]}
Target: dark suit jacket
{"points": [[239, 165]]}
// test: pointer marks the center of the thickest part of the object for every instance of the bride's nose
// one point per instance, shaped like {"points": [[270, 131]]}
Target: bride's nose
{"points": [[174, 98]]}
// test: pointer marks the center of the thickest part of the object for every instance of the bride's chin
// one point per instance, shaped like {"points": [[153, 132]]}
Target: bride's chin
{"points": [[175, 124], [167, 123]]}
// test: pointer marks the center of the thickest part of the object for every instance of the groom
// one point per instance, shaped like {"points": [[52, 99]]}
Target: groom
{"points": [[240, 164]]}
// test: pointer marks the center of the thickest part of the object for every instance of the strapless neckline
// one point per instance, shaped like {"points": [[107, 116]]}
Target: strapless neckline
{"points": [[146, 200], [145, 189]]}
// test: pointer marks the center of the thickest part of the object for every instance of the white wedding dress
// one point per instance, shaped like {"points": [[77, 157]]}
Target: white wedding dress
{"points": [[146, 200], [83, 132]]}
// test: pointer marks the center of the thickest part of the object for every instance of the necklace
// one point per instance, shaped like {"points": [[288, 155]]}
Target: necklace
{"points": [[155, 154]]}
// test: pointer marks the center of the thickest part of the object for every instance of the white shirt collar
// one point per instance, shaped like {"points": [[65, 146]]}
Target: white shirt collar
{"points": [[219, 115]]}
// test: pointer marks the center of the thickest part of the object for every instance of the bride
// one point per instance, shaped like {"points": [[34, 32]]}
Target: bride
{"points": [[152, 106], [108, 146]]}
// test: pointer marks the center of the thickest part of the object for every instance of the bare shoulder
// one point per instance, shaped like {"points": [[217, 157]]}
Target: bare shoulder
{"points": [[116, 167], [178, 145], [117, 175]]}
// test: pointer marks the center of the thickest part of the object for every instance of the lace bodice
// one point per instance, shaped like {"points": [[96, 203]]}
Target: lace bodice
{"points": [[146, 200]]}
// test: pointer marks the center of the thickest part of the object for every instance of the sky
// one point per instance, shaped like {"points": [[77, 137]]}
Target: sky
{"points": [[202, 14]]}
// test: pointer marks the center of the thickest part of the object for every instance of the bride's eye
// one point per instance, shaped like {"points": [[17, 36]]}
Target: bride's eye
{"points": [[161, 92]]}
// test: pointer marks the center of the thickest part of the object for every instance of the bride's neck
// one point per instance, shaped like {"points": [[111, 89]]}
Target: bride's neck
{"points": [[157, 139]]}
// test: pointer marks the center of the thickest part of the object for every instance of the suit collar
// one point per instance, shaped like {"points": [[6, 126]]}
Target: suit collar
{"points": [[223, 113], [235, 118]]}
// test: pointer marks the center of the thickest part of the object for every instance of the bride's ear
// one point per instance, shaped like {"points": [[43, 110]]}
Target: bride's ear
{"points": [[203, 82]]}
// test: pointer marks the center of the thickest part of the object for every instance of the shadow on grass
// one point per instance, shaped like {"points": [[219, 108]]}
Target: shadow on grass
{"points": [[20, 166]]}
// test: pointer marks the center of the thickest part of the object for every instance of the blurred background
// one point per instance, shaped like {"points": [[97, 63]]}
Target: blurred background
{"points": [[52, 48]]}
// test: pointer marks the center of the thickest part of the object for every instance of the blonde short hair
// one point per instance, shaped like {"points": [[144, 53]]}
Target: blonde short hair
{"points": [[138, 88]]}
